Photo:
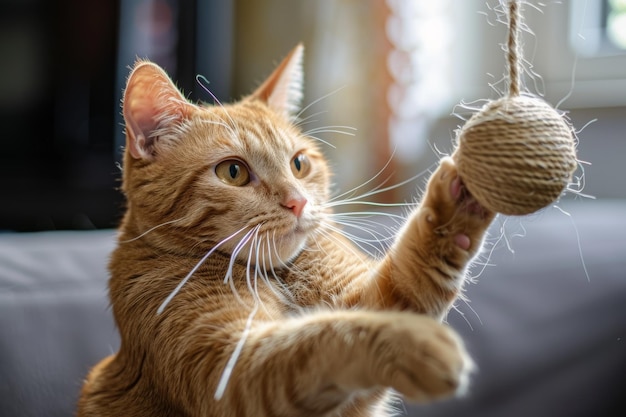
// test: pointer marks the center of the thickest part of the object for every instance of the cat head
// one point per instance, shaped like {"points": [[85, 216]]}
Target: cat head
{"points": [[197, 176]]}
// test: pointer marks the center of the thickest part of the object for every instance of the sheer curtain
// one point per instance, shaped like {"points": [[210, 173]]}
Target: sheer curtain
{"points": [[420, 62], [377, 70]]}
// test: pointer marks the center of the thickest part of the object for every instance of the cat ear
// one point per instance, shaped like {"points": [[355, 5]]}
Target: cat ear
{"points": [[282, 91], [152, 106]]}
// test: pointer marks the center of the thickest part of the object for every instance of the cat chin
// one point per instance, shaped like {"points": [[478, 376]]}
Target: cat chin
{"points": [[283, 249], [275, 261], [289, 246], [293, 240]]}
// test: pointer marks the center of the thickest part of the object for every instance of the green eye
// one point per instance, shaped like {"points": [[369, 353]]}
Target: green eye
{"points": [[233, 172], [300, 165]]}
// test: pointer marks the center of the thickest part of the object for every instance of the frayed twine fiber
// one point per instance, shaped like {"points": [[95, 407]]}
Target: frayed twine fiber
{"points": [[517, 154]]}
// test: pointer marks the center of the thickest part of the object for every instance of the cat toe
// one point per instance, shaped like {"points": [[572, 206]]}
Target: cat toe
{"points": [[443, 370], [463, 241]]}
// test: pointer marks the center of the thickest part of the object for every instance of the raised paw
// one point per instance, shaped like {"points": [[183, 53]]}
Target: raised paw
{"points": [[451, 211]]}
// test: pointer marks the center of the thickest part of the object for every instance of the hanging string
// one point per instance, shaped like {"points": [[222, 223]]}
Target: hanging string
{"points": [[517, 154], [513, 49]]}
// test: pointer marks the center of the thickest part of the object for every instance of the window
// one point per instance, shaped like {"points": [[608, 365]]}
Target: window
{"points": [[598, 27], [615, 23]]}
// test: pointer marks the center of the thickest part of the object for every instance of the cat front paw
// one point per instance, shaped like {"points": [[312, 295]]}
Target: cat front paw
{"points": [[451, 212], [427, 362]]}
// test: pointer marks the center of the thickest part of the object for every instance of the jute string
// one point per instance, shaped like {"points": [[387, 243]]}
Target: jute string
{"points": [[517, 154], [513, 52]]}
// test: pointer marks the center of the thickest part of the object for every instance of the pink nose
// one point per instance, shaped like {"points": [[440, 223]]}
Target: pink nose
{"points": [[296, 205]]}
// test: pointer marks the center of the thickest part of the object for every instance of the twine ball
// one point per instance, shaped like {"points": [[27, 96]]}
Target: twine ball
{"points": [[516, 155]]}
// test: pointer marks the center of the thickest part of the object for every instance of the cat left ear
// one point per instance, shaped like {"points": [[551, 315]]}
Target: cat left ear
{"points": [[152, 107], [282, 91]]}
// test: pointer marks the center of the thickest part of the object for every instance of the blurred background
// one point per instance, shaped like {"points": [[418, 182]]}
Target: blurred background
{"points": [[394, 71], [391, 81]]}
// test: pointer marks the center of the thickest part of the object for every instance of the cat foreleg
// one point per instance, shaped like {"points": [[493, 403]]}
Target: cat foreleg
{"points": [[321, 363], [425, 269]]}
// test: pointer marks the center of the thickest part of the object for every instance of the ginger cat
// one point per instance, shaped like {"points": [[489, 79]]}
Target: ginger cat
{"points": [[234, 291]]}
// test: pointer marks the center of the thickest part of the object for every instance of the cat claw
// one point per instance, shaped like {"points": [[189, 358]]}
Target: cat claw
{"points": [[467, 204], [466, 201], [456, 188]]}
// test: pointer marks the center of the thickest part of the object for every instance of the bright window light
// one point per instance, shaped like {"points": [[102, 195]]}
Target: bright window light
{"points": [[616, 23]]}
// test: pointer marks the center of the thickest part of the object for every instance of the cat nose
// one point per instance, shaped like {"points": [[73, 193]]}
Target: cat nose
{"points": [[295, 204]]}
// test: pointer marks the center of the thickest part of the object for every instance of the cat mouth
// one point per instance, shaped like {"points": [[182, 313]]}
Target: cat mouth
{"points": [[296, 235], [299, 230], [301, 226]]}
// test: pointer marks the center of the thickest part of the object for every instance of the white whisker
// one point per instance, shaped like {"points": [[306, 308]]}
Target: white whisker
{"points": [[356, 201], [323, 141], [152, 229], [309, 119], [283, 293], [238, 248], [228, 277], [368, 214], [340, 199], [331, 129], [251, 282], [353, 190], [199, 79], [358, 256], [193, 270], [232, 127], [308, 106], [380, 234], [228, 369], [362, 243]]}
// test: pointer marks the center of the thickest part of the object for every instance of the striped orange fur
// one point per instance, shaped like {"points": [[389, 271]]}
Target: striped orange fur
{"points": [[234, 292]]}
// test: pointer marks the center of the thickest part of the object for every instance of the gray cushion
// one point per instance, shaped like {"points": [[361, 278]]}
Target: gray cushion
{"points": [[55, 322]]}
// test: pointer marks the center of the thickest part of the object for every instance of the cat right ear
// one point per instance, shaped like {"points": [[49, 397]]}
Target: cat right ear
{"points": [[282, 90], [152, 107]]}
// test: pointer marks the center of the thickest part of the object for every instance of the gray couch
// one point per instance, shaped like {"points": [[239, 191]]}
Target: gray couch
{"points": [[549, 338]]}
